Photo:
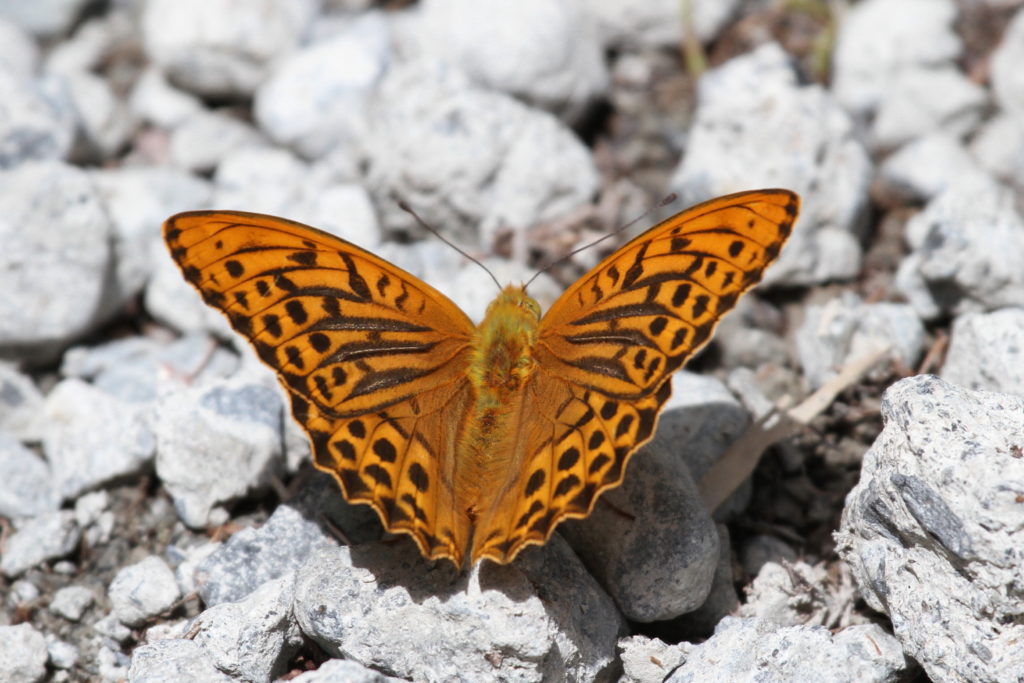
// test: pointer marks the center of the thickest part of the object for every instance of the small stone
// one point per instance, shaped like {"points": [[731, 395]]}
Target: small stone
{"points": [[21, 405], [167, 630], [999, 148], [90, 507], [200, 141], [105, 123], [344, 671], [22, 592], [986, 351], [174, 660], [94, 437], [26, 483], [632, 24], [110, 627], [759, 550], [750, 649], [19, 53], [221, 49], [648, 660], [237, 420], [926, 167], [338, 74], [143, 590], [62, 654], [46, 537], [56, 256], [46, 19], [71, 602], [253, 638], [1005, 76], [112, 665], [757, 126], [37, 121], [156, 101], [23, 654], [845, 329]]}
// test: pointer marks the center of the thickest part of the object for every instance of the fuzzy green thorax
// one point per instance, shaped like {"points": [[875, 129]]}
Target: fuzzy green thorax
{"points": [[502, 357]]}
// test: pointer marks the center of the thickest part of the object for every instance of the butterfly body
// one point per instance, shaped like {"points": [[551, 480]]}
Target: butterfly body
{"points": [[477, 441]]}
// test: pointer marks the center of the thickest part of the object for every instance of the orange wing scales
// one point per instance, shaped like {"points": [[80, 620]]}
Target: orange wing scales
{"points": [[371, 358]]}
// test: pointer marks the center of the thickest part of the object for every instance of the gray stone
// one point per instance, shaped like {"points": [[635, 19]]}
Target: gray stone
{"points": [[173, 301], [44, 18], [112, 665], [254, 638], [383, 605], [926, 167], [761, 549], [924, 100], [1005, 76], [986, 351], [344, 671], [721, 600], [545, 52], [756, 126], [22, 592], [71, 602], [138, 200], [19, 53], [21, 405], [173, 660], [46, 537], [216, 443], [93, 438], [648, 660], [95, 44], [933, 529], [846, 328], [154, 100], [254, 556], [26, 483], [750, 649], [222, 48], [966, 252], [111, 627], [798, 594], [880, 39], [998, 147], [55, 259], [137, 369], [143, 590], [22, 654], [105, 123], [61, 654], [468, 160], [200, 141], [633, 24], [37, 121], [315, 99]]}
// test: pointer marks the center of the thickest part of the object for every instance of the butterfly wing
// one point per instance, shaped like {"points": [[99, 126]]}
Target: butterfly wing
{"points": [[372, 358], [606, 351]]}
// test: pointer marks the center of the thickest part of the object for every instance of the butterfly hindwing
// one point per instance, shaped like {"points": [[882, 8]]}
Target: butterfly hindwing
{"points": [[366, 351]]}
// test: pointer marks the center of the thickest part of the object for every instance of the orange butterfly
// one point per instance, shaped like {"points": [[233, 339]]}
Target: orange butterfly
{"points": [[477, 439]]}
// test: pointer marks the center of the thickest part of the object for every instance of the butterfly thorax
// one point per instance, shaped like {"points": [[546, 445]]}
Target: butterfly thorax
{"points": [[501, 362]]}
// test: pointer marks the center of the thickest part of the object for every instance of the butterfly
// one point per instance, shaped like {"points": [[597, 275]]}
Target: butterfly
{"points": [[477, 440]]}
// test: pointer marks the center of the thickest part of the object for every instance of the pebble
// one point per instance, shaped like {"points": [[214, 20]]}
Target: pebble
{"points": [[544, 52], [111, 627], [448, 625], [932, 531], [93, 437], [174, 660], [56, 257], [105, 123], [998, 147], [965, 252], [26, 483], [344, 671], [236, 420], [470, 161], [252, 639], [21, 405], [156, 101], [802, 140], [71, 602], [48, 536], [23, 654], [143, 590], [199, 142], [1007, 84], [845, 329], [19, 54], [926, 167], [633, 24], [648, 660], [62, 654], [986, 351], [222, 49], [750, 649], [315, 100]]}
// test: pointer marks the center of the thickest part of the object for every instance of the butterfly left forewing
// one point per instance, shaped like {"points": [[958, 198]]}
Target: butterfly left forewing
{"points": [[366, 352]]}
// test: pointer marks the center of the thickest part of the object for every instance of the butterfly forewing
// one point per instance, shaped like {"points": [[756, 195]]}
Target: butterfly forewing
{"points": [[372, 358], [639, 314]]}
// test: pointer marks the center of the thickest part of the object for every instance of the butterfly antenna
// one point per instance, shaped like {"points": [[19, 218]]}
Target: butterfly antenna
{"points": [[408, 209], [663, 203]]}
